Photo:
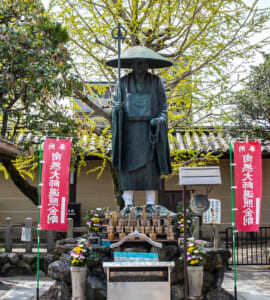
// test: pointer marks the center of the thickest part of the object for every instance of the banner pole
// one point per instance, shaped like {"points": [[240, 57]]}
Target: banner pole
{"points": [[38, 226], [185, 243], [233, 222]]}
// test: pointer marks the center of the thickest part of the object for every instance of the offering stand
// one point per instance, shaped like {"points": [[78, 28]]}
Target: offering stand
{"points": [[149, 280], [160, 228], [138, 276]]}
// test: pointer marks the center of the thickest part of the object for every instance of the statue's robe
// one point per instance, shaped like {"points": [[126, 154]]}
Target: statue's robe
{"points": [[144, 148]]}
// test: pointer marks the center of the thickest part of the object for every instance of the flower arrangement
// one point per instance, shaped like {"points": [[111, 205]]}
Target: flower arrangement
{"points": [[179, 220], [82, 254], [94, 218], [195, 251]]}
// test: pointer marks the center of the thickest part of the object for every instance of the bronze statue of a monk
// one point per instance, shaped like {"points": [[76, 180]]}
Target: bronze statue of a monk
{"points": [[144, 131]]}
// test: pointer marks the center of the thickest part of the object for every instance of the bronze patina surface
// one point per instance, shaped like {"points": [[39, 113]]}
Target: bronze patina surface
{"points": [[140, 119], [139, 53]]}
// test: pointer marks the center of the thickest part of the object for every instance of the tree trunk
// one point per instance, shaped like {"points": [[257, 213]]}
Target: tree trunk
{"points": [[25, 187], [4, 125]]}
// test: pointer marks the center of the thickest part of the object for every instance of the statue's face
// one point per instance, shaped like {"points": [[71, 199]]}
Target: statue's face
{"points": [[140, 67]]}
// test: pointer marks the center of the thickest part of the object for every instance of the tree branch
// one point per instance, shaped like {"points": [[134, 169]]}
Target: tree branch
{"points": [[92, 105], [24, 186]]}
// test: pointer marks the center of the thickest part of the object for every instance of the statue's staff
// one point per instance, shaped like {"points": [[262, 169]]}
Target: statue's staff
{"points": [[119, 36]]}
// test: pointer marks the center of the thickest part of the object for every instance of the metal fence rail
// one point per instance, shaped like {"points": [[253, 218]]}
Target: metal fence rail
{"points": [[251, 248], [10, 236]]}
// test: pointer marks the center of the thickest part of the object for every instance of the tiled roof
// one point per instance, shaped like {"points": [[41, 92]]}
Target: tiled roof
{"points": [[206, 141], [202, 141]]}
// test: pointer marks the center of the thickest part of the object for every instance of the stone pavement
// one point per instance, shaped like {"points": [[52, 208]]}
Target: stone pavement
{"points": [[252, 282], [23, 287]]}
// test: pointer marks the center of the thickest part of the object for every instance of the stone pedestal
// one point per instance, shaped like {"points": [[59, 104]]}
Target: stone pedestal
{"points": [[78, 280], [195, 281], [215, 264]]}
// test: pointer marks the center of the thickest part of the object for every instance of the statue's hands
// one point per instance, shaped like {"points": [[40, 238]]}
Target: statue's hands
{"points": [[154, 122]]}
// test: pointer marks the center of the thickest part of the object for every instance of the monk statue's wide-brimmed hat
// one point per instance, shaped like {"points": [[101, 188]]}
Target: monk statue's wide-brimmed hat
{"points": [[140, 53]]}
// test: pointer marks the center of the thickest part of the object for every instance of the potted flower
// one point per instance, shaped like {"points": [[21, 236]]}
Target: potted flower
{"points": [[79, 257], [195, 252], [94, 218], [178, 221]]}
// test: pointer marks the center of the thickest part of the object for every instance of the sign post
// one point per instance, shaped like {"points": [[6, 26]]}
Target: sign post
{"points": [[195, 176]]}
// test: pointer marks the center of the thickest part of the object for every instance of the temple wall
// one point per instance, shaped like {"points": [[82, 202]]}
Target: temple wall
{"points": [[92, 192]]}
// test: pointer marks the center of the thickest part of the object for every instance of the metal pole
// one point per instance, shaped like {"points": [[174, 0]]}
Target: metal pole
{"points": [[119, 36], [233, 222], [185, 243], [120, 125], [38, 226]]}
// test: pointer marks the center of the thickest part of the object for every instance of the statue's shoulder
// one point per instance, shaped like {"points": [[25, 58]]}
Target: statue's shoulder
{"points": [[124, 81], [155, 78], [124, 78]]}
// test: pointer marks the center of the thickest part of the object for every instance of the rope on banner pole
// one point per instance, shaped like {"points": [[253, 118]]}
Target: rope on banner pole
{"points": [[233, 221], [38, 226]]}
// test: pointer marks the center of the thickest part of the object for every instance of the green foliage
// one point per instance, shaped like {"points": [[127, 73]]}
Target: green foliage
{"points": [[33, 60], [252, 103], [91, 141], [202, 38]]}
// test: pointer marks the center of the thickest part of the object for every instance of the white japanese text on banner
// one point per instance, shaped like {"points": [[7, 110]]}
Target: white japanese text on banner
{"points": [[55, 184], [248, 183]]}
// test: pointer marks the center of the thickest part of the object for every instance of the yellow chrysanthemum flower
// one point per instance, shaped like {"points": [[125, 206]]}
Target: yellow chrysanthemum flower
{"points": [[78, 250], [194, 261], [96, 220], [75, 261], [190, 249]]}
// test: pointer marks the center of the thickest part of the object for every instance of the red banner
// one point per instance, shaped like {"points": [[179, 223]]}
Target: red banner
{"points": [[248, 185], [55, 184]]}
